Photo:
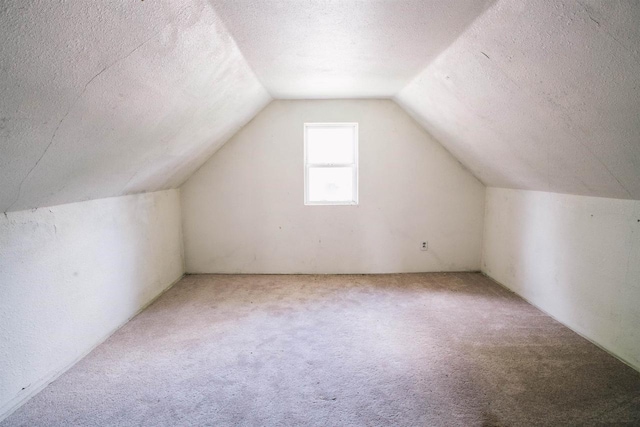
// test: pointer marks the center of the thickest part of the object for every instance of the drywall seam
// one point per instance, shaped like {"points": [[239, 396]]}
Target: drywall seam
{"points": [[75, 101], [13, 406], [620, 358], [151, 129]]}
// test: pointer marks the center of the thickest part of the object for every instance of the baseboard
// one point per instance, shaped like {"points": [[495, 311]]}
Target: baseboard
{"points": [[329, 274], [14, 404], [597, 344]]}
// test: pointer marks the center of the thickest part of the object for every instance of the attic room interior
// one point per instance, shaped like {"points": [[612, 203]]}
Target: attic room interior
{"points": [[320, 213]]}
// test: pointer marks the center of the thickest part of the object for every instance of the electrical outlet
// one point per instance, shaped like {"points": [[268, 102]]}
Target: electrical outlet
{"points": [[424, 246]]}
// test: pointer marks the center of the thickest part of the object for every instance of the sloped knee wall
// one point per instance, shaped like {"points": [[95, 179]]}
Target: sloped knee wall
{"points": [[575, 257], [70, 275]]}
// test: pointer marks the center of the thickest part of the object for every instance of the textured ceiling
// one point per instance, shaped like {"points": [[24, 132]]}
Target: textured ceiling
{"points": [[103, 99], [343, 48], [541, 95]]}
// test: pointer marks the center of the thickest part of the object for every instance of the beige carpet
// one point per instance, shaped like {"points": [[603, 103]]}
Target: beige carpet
{"points": [[384, 350]]}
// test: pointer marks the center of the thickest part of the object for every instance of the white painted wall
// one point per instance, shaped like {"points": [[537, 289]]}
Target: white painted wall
{"points": [[243, 211], [575, 257], [70, 275]]}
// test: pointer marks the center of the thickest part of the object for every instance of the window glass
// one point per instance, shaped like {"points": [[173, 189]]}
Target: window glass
{"points": [[331, 163], [330, 184], [330, 145]]}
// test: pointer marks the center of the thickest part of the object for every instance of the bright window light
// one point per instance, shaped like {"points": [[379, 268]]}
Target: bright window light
{"points": [[331, 163]]}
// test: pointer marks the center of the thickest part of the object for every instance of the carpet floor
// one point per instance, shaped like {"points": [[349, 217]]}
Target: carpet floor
{"points": [[446, 349]]}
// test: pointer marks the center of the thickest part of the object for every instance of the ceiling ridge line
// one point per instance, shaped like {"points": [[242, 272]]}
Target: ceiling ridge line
{"points": [[492, 4], [226, 31]]}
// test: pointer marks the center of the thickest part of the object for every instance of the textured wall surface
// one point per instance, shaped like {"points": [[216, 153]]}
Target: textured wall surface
{"points": [[343, 49], [72, 274], [101, 100], [244, 211], [541, 95], [105, 99], [575, 257]]}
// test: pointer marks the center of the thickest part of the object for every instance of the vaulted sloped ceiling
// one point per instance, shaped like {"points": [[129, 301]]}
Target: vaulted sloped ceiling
{"points": [[306, 49], [541, 95], [531, 94], [103, 99]]}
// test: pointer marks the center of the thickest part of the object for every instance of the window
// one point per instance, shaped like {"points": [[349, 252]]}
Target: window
{"points": [[330, 163]]}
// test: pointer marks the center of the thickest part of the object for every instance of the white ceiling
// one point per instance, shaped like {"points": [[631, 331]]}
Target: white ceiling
{"points": [[541, 95], [343, 48], [102, 99]]}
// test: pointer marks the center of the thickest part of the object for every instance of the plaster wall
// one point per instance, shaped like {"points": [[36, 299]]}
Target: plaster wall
{"points": [[244, 212], [70, 275], [575, 257]]}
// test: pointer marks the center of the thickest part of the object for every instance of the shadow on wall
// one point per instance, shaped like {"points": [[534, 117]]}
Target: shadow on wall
{"points": [[536, 244], [72, 274], [574, 257]]}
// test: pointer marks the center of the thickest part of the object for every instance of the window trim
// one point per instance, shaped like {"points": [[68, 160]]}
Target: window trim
{"points": [[354, 166]]}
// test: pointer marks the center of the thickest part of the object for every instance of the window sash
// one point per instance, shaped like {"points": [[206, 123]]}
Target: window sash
{"points": [[353, 165]]}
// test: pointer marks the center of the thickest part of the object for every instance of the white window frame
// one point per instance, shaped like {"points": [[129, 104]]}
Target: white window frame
{"points": [[353, 166]]}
